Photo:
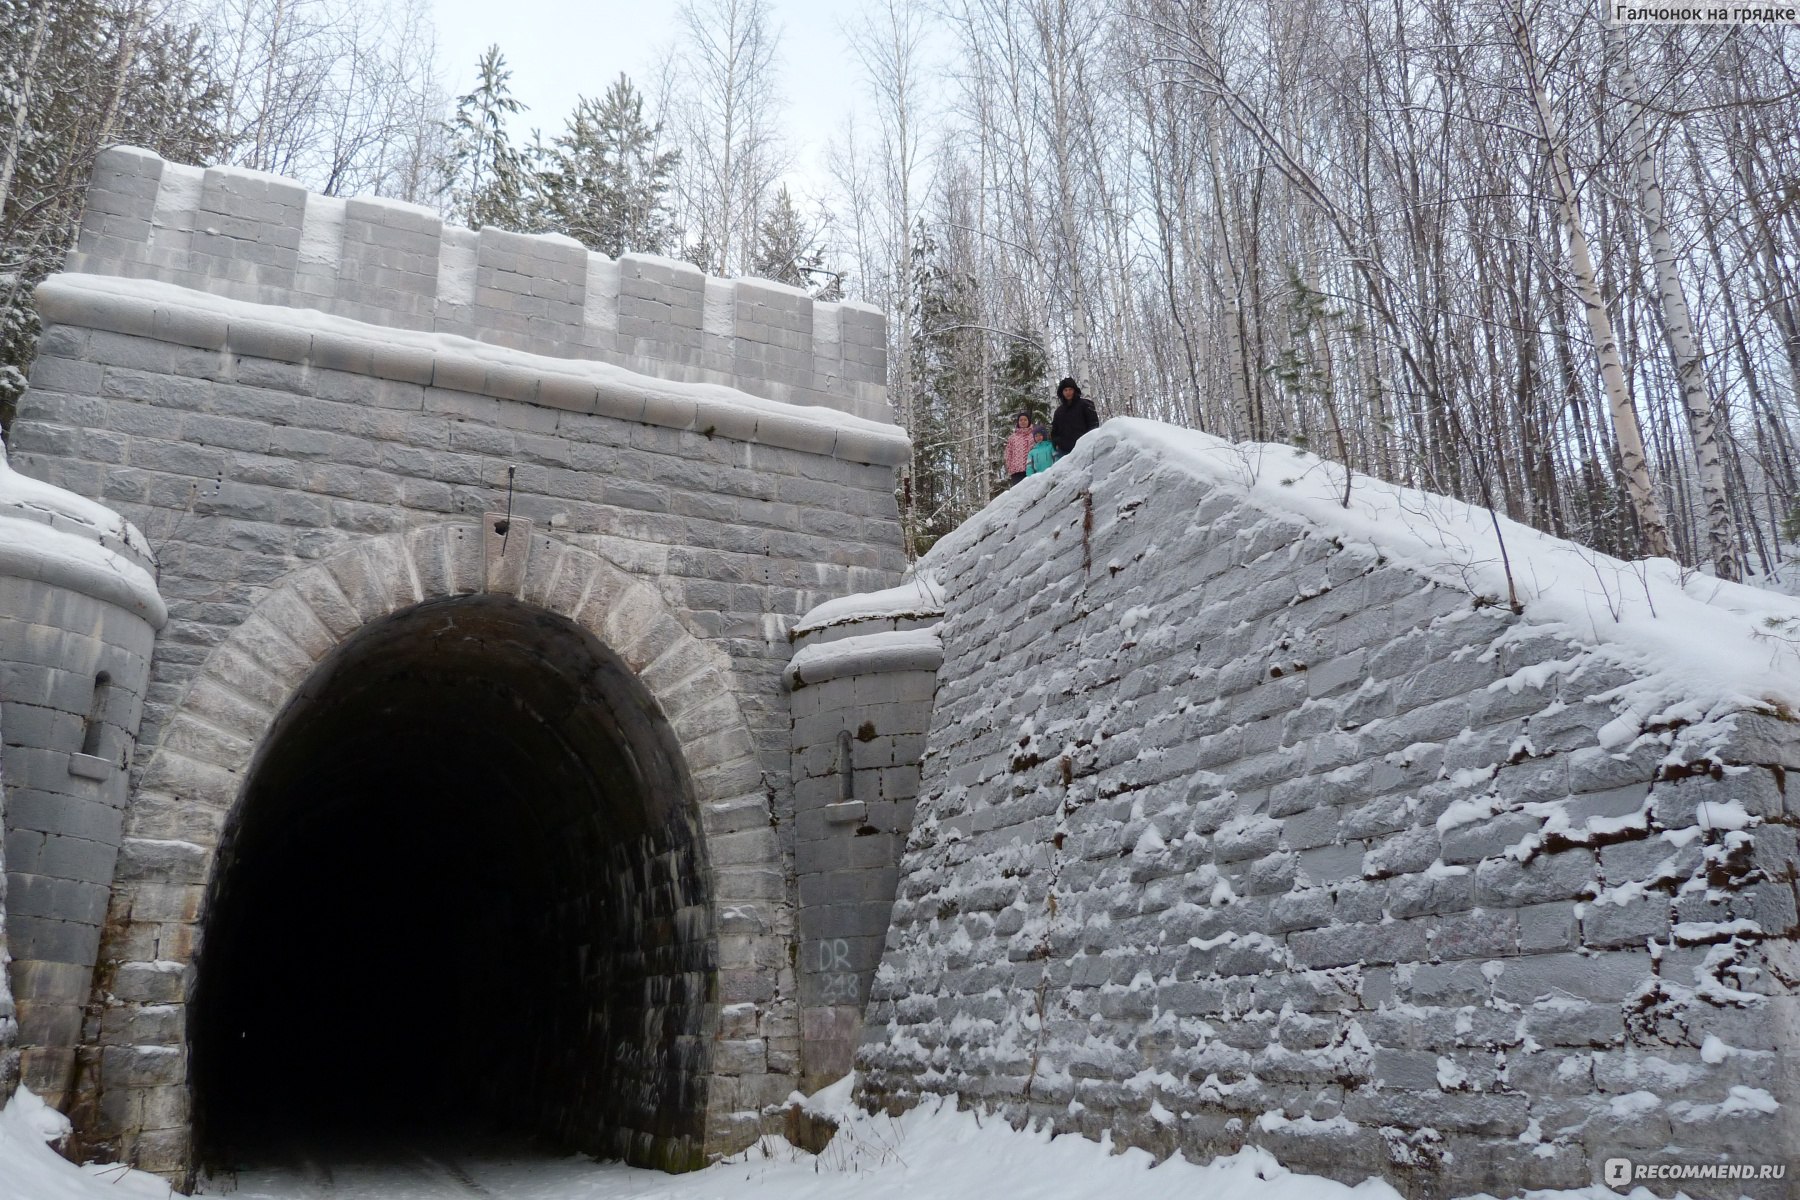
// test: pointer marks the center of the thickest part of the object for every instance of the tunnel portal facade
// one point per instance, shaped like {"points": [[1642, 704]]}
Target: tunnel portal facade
{"points": [[442, 768]]}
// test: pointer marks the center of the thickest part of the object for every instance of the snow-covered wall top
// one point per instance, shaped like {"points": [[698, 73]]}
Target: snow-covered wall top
{"points": [[913, 603], [184, 317], [266, 239], [53, 536], [1700, 644], [1249, 816]]}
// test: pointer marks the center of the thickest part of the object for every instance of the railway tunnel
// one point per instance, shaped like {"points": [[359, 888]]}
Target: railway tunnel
{"points": [[462, 897]]}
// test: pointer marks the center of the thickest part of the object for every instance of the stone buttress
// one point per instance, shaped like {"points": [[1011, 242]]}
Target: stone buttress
{"points": [[79, 611]]}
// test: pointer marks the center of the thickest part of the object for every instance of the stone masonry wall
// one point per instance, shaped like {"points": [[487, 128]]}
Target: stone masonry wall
{"points": [[1232, 834], [246, 446], [268, 240], [861, 699], [9, 1024], [73, 670], [260, 451], [78, 615]]}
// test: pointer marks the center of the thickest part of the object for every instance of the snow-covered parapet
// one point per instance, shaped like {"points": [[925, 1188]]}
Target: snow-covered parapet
{"points": [[55, 537], [915, 603], [266, 239], [1249, 817], [180, 316], [866, 654]]}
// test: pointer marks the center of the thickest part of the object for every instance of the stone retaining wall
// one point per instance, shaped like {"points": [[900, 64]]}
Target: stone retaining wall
{"points": [[9, 1024], [1231, 834], [79, 612]]}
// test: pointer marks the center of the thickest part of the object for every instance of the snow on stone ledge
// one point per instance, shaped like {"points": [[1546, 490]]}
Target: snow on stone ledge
{"points": [[1703, 648], [170, 312], [56, 537], [47, 502], [919, 597], [893, 650]]}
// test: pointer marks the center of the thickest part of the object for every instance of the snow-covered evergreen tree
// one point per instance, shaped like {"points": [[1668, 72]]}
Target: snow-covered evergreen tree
{"points": [[604, 182], [491, 178], [787, 251], [946, 359], [1021, 382]]}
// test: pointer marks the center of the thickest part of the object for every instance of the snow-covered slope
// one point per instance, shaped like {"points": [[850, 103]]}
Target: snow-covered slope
{"points": [[31, 1170], [1698, 642]]}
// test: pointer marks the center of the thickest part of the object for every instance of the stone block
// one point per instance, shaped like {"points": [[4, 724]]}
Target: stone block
{"points": [[1566, 875], [1677, 804], [44, 940], [1552, 926], [1331, 864], [1764, 739], [150, 983], [1487, 839], [269, 339], [1599, 978]]}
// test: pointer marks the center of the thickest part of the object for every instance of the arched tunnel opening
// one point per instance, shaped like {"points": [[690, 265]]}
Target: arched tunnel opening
{"points": [[462, 898]]}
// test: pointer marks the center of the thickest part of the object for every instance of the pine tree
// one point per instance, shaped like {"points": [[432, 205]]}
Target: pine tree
{"points": [[787, 252], [492, 179], [1021, 381], [946, 362], [603, 181]]}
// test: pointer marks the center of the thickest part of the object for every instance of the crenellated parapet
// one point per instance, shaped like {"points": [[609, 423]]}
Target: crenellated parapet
{"points": [[262, 238]]}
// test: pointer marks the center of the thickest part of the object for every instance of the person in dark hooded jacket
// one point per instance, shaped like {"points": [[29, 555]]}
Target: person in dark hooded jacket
{"points": [[1075, 417]]}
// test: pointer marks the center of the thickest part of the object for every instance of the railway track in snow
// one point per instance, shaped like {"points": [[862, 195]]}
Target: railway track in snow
{"points": [[409, 1175]]}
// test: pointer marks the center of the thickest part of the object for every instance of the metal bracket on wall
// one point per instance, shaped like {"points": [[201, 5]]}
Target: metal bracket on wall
{"points": [[505, 546]]}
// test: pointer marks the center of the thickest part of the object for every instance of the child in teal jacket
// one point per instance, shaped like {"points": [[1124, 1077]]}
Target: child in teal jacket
{"points": [[1042, 452]]}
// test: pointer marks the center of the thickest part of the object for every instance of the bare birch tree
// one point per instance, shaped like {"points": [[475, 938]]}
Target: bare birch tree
{"points": [[732, 153], [1587, 286]]}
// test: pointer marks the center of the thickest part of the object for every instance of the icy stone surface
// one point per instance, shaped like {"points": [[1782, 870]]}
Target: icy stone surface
{"points": [[1243, 822]]}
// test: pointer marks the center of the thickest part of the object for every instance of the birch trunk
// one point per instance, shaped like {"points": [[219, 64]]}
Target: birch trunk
{"points": [[128, 39], [1236, 334], [1635, 465], [1678, 324], [14, 136], [1057, 52]]}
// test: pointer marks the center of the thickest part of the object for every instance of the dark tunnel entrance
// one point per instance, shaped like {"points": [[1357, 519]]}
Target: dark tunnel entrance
{"points": [[462, 897]]}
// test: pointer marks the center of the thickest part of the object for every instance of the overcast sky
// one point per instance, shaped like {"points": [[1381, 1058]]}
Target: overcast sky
{"points": [[559, 49]]}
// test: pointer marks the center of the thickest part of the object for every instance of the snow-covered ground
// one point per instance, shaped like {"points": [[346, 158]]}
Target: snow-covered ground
{"points": [[933, 1152], [30, 1170]]}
